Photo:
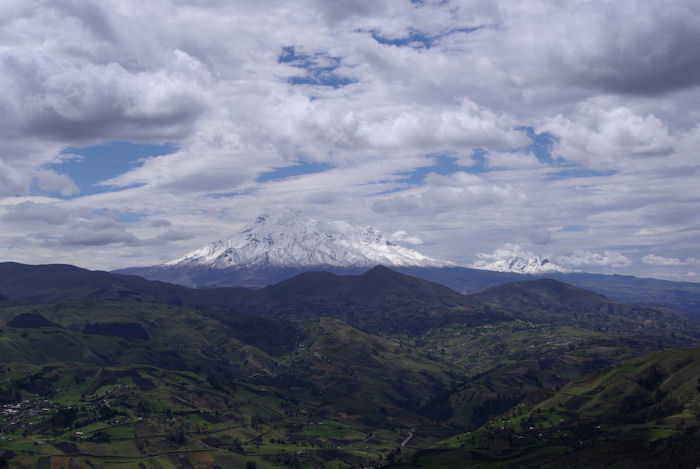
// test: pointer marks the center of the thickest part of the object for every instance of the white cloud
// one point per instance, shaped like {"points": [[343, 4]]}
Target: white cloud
{"points": [[614, 83], [442, 193], [658, 260], [403, 237], [51, 181], [507, 251], [512, 160], [33, 212], [581, 258], [652, 259], [608, 137]]}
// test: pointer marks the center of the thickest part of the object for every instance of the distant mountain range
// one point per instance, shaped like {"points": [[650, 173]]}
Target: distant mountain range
{"points": [[275, 248]]}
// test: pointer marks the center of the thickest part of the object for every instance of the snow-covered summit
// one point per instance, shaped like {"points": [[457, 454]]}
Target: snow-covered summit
{"points": [[523, 265], [513, 258], [295, 239]]}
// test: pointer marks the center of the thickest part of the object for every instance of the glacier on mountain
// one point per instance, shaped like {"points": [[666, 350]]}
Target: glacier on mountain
{"points": [[295, 239], [522, 265]]}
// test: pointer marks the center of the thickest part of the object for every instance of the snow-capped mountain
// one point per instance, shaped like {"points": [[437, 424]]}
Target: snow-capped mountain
{"points": [[295, 239], [523, 265]]}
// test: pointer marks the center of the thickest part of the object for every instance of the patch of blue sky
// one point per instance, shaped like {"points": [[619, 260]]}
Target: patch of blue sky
{"points": [[419, 40], [318, 69], [300, 169], [88, 166], [323, 78], [541, 145], [444, 164], [289, 55]]}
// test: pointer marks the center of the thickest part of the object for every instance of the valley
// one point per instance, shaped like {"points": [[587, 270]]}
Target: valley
{"points": [[319, 370]]}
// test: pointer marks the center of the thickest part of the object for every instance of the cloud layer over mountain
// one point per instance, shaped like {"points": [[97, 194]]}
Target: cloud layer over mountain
{"points": [[567, 129]]}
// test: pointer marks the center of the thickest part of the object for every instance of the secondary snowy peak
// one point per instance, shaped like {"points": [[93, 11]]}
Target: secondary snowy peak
{"points": [[523, 265], [294, 239]]}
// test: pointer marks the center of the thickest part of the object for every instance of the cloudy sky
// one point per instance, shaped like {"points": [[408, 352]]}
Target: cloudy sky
{"points": [[133, 132]]}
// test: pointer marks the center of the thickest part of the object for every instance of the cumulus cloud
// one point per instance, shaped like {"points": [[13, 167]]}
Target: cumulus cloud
{"points": [[627, 47], [581, 258], [605, 137], [444, 192], [92, 234], [51, 181], [33, 212], [668, 261], [507, 251], [49, 224], [512, 160], [403, 237], [658, 260], [557, 115]]}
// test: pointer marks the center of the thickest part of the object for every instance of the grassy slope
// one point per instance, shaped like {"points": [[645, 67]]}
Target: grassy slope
{"points": [[452, 359], [643, 412], [340, 394], [542, 334], [380, 300]]}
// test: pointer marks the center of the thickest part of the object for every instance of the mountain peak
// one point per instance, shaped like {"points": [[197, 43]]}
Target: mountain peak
{"points": [[522, 265], [295, 239]]}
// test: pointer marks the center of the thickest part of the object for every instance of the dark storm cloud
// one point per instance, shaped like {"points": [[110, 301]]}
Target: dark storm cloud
{"points": [[658, 61]]}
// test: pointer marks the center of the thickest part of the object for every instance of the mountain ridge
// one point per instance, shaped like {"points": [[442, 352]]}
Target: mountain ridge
{"points": [[276, 248], [642, 412]]}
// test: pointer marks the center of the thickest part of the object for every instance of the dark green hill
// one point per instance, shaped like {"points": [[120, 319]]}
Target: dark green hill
{"points": [[644, 412], [5, 301], [57, 282], [339, 395], [106, 332], [683, 296], [552, 301], [380, 300], [384, 301], [542, 291], [377, 287], [444, 361]]}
